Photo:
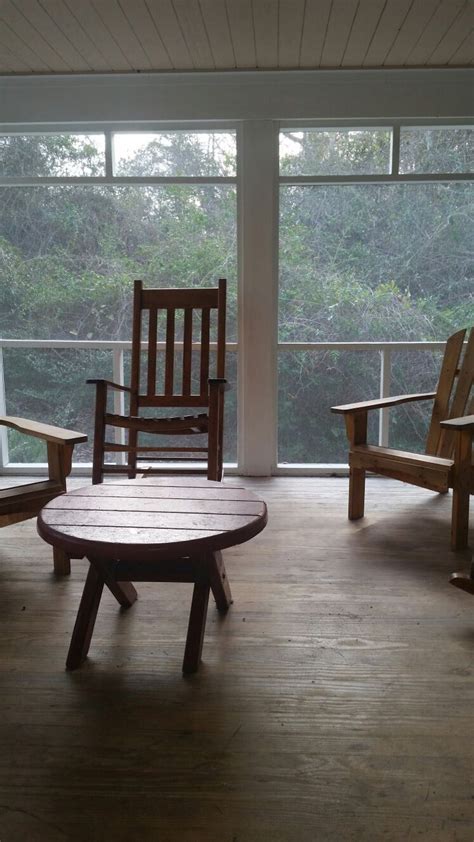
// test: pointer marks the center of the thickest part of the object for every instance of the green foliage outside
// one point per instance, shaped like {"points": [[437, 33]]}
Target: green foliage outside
{"points": [[357, 262]]}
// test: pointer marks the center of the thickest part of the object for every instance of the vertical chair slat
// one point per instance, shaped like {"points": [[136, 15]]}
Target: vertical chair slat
{"points": [[187, 350], [151, 384], [169, 362], [443, 393], [205, 332]]}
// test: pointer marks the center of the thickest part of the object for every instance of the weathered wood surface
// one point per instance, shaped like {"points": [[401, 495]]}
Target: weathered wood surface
{"points": [[335, 702], [116, 531], [42, 431]]}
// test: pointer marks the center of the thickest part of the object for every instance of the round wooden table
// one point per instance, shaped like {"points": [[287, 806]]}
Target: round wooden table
{"points": [[151, 530]]}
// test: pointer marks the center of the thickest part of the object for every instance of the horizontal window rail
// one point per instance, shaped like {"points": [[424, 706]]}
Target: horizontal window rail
{"points": [[96, 344], [35, 181]]}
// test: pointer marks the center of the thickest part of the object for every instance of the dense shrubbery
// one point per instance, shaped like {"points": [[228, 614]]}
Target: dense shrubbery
{"points": [[358, 262]]}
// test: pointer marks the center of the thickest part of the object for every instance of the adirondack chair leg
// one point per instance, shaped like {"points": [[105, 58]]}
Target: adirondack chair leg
{"points": [[356, 425], [461, 490], [356, 493], [59, 467]]}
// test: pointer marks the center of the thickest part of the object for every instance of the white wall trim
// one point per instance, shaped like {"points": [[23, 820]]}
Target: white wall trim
{"points": [[275, 95]]}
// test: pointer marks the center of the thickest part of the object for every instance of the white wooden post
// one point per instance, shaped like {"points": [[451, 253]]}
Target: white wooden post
{"points": [[258, 284]]}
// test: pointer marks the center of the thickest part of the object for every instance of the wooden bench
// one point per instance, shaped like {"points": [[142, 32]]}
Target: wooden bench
{"points": [[24, 501]]}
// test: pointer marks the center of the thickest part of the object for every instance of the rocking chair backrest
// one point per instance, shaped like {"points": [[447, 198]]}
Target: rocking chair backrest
{"points": [[197, 305], [453, 392]]}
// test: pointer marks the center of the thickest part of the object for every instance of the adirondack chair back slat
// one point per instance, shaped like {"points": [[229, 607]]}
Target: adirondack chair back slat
{"points": [[453, 392]]}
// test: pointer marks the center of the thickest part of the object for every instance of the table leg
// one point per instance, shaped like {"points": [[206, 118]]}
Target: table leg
{"points": [[62, 564], [219, 582], [124, 592], [196, 627], [85, 620]]}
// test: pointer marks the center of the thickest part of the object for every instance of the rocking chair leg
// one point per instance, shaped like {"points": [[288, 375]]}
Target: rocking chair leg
{"points": [[132, 456], [99, 434], [356, 493], [213, 437]]}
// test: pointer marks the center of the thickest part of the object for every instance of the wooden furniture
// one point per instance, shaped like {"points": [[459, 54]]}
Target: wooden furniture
{"points": [[447, 462], [464, 429], [24, 501], [152, 530], [164, 312]]}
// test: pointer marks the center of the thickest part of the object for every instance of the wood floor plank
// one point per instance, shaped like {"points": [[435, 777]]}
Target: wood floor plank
{"points": [[334, 702]]}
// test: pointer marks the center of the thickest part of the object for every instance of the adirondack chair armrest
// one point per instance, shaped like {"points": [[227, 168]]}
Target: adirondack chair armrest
{"points": [[47, 432], [464, 423], [219, 383], [112, 385], [60, 443], [380, 403]]}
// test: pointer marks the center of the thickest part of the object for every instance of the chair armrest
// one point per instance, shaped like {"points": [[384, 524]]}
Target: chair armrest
{"points": [[380, 403], [56, 435], [219, 382], [112, 385], [465, 423]]}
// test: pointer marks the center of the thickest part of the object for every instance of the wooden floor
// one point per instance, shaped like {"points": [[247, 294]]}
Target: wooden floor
{"points": [[334, 702]]}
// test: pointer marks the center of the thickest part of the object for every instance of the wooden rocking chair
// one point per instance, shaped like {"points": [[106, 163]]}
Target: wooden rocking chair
{"points": [[447, 462], [161, 389], [21, 502]]}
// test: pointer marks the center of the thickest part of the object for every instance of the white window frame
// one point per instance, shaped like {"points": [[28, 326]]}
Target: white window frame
{"points": [[119, 347], [257, 182], [384, 348]]}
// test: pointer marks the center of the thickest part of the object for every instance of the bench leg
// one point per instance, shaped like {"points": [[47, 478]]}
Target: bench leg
{"points": [[85, 620], [219, 582], [196, 627]]}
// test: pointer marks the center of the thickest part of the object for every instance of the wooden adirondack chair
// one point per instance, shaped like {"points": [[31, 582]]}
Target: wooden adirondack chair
{"points": [[161, 388], [447, 462], [24, 501]]}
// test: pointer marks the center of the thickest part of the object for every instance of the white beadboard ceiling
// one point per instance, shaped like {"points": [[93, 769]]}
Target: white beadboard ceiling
{"points": [[103, 36]]}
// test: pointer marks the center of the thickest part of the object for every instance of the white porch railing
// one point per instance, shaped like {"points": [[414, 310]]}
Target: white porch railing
{"points": [[118, 348], [385, 350]]}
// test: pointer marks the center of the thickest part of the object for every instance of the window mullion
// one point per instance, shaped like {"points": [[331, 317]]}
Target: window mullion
{"points": [[258, 311]]}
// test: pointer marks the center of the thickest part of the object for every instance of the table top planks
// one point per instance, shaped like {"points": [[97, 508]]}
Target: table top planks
{"points": [[159, 517]]}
